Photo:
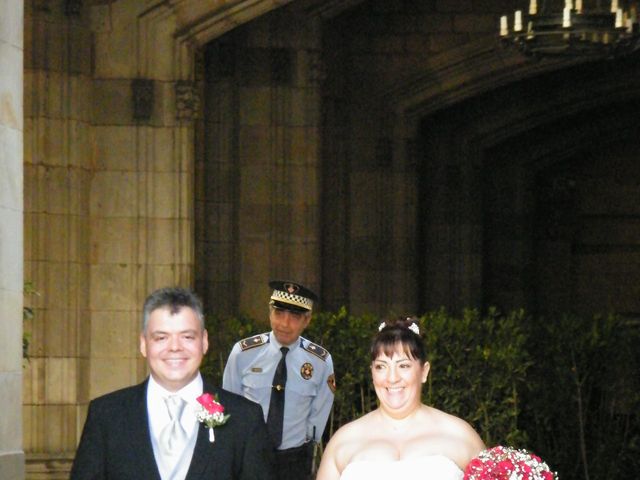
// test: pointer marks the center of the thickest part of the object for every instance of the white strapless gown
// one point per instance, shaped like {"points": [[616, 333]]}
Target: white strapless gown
{"points": [[432, 467]]}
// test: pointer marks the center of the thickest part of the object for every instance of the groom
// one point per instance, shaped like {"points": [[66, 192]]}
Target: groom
{"points": [[150, 431]]}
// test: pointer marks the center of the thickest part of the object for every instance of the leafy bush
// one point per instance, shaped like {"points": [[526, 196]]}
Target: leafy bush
{"points": [[224, 332], [565, 388], [27, 315], [583, 396], [348, 338], [478, 369]]}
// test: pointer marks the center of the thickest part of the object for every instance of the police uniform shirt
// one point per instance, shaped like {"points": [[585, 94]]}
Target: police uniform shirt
{"points": [[309, 391]]}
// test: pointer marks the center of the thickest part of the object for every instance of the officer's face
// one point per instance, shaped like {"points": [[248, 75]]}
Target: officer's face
{"points": [[287, 326], [174, 344]]}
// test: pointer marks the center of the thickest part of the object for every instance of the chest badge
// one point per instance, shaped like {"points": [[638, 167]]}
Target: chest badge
{"points": [[306, 371]]}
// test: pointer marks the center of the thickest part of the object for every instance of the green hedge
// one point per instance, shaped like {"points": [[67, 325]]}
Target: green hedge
{"points": [[583, 396], [566, 388]]}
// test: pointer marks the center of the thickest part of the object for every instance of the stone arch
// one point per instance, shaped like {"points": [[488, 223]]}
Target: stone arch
{"points": [[600, 109]]}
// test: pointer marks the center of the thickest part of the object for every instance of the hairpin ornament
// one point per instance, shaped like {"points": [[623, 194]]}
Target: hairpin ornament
{"points": [[413, 327]]}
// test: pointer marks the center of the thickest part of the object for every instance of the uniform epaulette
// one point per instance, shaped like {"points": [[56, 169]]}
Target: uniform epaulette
{"points": [[252, 342], [317, 350]]}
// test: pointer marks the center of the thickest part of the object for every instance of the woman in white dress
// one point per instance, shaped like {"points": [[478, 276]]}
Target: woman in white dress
{"points": [[402, 438]]}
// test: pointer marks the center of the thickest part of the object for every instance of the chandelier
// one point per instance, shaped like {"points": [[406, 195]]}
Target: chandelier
{"points": [[595, 31]]}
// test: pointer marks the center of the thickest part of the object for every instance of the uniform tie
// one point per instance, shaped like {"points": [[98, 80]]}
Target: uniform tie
{"points": [[276, 405], [173, 437]]}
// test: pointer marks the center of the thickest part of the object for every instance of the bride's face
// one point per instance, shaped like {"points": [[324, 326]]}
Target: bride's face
{"points": [[398, 381]]}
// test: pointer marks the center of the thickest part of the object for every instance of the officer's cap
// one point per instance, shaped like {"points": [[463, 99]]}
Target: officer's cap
{"points": [[292, 296]]}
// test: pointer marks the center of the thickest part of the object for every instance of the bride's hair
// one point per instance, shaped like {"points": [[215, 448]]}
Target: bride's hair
{"points": [[403, 331]]}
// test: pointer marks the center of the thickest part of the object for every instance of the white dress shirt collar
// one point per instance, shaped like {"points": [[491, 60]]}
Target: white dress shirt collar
{"points": [[157, 409]]}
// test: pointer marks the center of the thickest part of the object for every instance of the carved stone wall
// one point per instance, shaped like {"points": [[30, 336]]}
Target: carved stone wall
{"points": [[355, 145], [514, 184], [11, 222], [258, 193], [58, 173]]}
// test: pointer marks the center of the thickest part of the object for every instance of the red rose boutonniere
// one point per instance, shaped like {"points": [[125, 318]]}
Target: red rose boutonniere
{"points": [[506, 463], [211, 413]]}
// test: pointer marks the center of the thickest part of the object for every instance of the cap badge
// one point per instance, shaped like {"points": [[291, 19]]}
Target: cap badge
{"points": [[306, 371], [291, 288]]}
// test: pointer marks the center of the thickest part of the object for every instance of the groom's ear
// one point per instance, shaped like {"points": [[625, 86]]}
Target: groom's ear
{"points": [[425, 371], [143, 345], [205, 341]]}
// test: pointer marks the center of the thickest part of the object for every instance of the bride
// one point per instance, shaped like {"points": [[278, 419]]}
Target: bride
{"points": [[402, 437]]}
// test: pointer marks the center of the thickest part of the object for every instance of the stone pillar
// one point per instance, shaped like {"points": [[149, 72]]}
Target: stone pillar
{"points": [[140, 201], [57, 165], [258, 184], [11, 277]]}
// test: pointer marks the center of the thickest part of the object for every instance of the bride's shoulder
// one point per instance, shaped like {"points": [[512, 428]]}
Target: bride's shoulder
{"points": [[452, 426], [354, 428], [446, 420], [457, 430], [352, 436]]}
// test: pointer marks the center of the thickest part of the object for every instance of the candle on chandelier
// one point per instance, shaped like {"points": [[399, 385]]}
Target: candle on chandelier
{"points": [[566, 17], [619, 18], [517, 21], [579, 6], [614, 6], [504, 29], [533, 7]]}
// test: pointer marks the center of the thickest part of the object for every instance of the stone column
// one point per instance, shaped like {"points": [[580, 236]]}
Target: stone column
{"points": [[58, 160], [11, 277], [258, 184]]}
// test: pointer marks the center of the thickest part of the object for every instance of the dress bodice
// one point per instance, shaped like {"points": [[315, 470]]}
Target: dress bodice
{"points": [[431, 467]]}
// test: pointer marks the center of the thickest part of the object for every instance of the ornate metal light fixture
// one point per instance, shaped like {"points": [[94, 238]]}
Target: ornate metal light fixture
{"points": [[592, 30]]}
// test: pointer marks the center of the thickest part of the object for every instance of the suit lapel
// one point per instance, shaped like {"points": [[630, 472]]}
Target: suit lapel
{"points": [[203, 453], [139, 434]]}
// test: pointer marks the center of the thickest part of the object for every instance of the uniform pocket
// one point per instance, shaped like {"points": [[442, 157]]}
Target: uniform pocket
{"points": [[257, 386]]}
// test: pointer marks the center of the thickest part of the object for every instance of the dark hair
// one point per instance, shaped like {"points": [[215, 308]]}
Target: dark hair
{"points": [[396, 331], [173, 298]]}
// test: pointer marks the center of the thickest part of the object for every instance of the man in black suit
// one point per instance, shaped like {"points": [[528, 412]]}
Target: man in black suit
{"points": [[151, 430]]}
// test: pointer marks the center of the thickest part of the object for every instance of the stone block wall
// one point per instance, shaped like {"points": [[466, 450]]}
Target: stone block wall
{"points": [[258, 177], [59, 150], [11, 238], [301, 167]]}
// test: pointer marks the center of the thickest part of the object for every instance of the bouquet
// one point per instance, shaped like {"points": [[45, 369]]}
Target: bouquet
{"points": [[506, 463]]}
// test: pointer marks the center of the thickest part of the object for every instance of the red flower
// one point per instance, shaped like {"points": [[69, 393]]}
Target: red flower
{"points": [[210, 403], [501, 463], [505, 467]]}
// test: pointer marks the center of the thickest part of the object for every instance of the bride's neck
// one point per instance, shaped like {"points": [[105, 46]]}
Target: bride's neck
{"points": [[398, 420]]}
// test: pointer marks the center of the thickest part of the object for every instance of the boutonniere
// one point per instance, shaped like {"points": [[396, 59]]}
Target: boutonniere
{"points": [[211, 413]]}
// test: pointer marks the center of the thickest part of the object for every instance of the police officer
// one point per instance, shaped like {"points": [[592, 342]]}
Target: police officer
{"points": [[291, 377]]}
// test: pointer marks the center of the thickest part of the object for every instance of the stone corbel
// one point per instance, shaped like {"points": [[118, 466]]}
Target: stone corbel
{"points": [[43, 6], [73, 8], [187, 100], [142, 96], [317, 70]]}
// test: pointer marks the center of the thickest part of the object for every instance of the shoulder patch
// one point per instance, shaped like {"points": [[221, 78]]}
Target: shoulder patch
{"points": [[253, 342], [317, 350]]}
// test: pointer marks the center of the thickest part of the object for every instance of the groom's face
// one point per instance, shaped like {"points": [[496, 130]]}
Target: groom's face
{"points": [[174, 344]]}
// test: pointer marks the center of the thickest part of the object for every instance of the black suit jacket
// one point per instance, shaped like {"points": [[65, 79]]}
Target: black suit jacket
{"points": [[116, 441]]}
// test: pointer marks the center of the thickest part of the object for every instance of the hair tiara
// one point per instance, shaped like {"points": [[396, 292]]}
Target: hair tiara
{"points": [[413, 327]]}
